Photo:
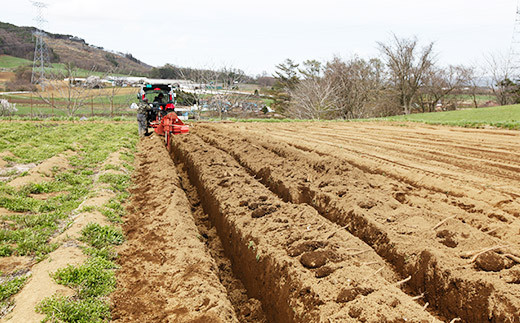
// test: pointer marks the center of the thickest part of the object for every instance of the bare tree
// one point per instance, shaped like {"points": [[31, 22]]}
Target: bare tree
{"points": [[475, 77], [205, 84], [408, 66], [313, 98], [439, 85], [357, 85], [501, 70], [218, 89], [113, 92], [231, 77], [265, 80], [64, 85]]}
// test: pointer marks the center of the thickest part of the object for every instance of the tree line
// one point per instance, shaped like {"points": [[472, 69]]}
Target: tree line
{"points": [[405, 78], [227, 76]]}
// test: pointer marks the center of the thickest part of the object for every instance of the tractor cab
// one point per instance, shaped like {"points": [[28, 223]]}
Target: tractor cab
{"points": [[159, 96]]}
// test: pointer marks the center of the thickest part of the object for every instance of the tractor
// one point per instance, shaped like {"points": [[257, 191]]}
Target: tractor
{"points": [[162, 116]]}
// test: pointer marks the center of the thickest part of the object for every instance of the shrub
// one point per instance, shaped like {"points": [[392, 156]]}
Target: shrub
{"points": [[6, 108]]}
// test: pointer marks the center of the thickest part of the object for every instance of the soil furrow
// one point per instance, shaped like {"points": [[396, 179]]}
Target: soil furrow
{"points": [[484, 191], [247, 309], [166, 272], [408, 137], [484, 208], [500, 143], [428, 154], [500, 149], [378, 211], [488, 192], [301, 266], [476, 174]]}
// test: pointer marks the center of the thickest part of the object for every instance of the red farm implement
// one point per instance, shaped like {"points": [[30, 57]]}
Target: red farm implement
{"points": [[162, 116]]}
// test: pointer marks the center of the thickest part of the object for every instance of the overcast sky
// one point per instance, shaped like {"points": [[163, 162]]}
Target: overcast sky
{"points": [[257, 35]]}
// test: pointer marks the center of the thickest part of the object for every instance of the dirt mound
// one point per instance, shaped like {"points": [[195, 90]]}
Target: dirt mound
{"points": [[42, 172]]}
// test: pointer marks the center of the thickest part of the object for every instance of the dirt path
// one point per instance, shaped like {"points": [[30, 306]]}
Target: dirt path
{"points": [[426, 199]]}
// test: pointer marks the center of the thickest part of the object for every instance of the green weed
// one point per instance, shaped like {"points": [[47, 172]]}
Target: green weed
{"points": [[118, 182], [105, 253], [114, 210], [99, 236], [63, 309], [9, 288], [91, 279], [110, 166]]}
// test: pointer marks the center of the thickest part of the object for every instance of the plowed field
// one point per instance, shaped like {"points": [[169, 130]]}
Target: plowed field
{"points": [[325, 222]]}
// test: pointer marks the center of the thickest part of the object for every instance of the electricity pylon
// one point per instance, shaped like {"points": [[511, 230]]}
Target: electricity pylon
{"points": [[41, 54]]}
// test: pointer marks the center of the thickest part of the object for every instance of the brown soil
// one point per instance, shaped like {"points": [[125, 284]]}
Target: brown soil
{"points": [[437, 204], [167, 274], [6, 76], [247, 309], [302, 267]]}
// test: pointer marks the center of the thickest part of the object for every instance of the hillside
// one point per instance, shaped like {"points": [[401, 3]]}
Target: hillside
{"points": [[19, 42]]}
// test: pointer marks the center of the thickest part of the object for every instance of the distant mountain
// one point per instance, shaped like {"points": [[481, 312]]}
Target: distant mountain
{"points": [[19, 42]]}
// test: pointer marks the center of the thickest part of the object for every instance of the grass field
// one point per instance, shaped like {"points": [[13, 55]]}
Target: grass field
{"points": [[11, 62], [30, 221], [504, 117]]}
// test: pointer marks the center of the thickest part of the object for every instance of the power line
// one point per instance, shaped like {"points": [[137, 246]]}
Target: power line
{"points": [[41, 53]]}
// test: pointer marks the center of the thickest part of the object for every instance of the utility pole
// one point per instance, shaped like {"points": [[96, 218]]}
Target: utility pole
{"points": [[41, 54]]}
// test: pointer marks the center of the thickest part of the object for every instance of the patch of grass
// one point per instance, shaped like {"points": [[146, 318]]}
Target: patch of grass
{"points": [[118, 182], [114, 210], [63, 309], [45, 187], [128, 157], [6, 250], [9, 288], [28, 233], [99, 236], [86, 209], [34, 142], [113, 167], [105, 253], [128, 167], [12, 62], [91, 279]]}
